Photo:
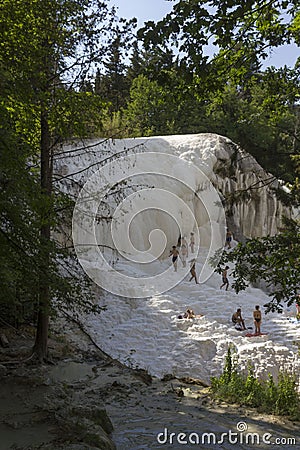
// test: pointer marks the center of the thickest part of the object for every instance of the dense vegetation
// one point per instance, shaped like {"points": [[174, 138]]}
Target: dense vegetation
{"points": [[273, 260], [72, 69], [281, 398]]}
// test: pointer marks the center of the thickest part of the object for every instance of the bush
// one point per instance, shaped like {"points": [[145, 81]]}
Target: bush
{"points": [[266, 396]]}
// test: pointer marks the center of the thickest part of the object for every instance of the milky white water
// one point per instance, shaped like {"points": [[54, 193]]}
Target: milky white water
{"points": [[146, 333], [178, 180]]}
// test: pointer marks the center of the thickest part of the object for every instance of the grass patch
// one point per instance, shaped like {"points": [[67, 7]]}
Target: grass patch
{"points": [[281, 398]]}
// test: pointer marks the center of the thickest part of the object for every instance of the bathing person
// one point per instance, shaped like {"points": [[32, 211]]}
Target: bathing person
{"points": [[237, 319], [228, 239], [179, 241], [192, 242], [257, 319], [189, 314], [193, 271], [184, 242], [224, 278], [174, 253], [183, 254]]}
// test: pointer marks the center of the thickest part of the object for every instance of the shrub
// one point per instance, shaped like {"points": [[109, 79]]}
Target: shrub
{"points": [[234, 387]]}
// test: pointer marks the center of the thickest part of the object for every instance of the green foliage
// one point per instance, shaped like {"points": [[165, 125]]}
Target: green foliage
{"points": [[112, 84], [146, 111], [242, 31], [46, 52], [166, 92], [257, 110], [22, 252], [76, 114], [273, 259], [18, 193], [227, 93], [261, 118], [234, 387]]}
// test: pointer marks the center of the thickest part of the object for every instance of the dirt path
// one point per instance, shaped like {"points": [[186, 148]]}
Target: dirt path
{"points": [[154, 413], [60, 407]]}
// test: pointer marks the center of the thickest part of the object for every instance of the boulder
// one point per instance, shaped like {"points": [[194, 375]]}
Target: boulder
{"points": [[3, 371], [96, 415]]}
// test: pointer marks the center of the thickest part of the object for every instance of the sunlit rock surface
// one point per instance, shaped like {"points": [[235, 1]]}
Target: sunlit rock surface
{"points": [[145, 331], [256, 211]]}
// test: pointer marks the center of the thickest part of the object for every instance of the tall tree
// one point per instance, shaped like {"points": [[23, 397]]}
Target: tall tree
{"points": [[241, 32], [271, 259], [262, 118], [48, 46], [136, 64], [111, 83], [18, 226]]}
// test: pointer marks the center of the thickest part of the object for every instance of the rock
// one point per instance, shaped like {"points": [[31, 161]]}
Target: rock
{"points": [[81, 446], [3, 340], [96, 415], [168, 377], [144, 376], [3, 371], [91, 433], [96, 436], [197, 381]]}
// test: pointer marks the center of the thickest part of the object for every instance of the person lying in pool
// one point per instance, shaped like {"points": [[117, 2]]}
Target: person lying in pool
{"points": [[189, 314]]}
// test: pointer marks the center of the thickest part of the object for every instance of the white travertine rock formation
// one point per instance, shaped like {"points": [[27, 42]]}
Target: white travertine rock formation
{"points": [[256, 211], [146, 331]]}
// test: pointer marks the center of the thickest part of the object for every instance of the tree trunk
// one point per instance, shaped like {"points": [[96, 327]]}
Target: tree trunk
{"points": [[41, 338]]}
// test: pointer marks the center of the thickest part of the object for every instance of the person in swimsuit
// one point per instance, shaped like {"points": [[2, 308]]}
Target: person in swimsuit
{"points": [[257, 319], [174, 253], [192, 243], [185, 243], [183, 254], [193, 270], [228, 239], [225, 279], [237, 319], [189, 314]]}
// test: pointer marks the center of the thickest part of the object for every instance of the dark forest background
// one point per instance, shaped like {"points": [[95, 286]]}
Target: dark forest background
{"points": [[71, 69]]}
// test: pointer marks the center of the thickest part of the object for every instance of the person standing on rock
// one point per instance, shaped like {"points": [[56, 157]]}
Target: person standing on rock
{"points": [[228, 239], [183, 254], [225, 279], [179, 241], [174, 253], [257, 319], [192, 242], [193, 271], [184, 242]]}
